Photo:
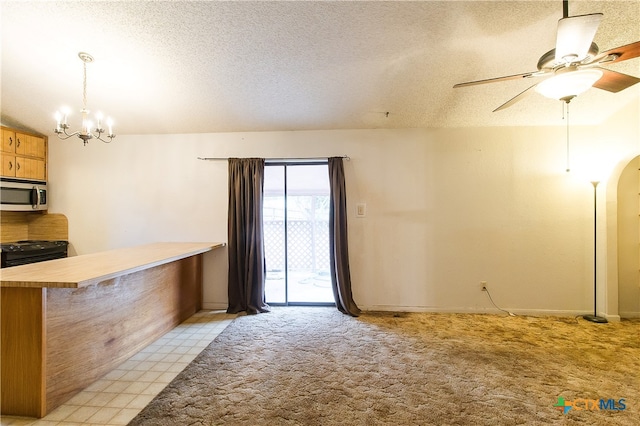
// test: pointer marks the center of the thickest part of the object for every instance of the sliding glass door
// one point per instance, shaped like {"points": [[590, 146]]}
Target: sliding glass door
{"points": [[296, 233]]}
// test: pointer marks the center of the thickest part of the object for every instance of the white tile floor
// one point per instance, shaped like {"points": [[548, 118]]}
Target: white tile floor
{"points": [[119, 396]]}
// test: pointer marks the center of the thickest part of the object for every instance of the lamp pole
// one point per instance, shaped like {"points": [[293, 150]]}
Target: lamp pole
{"points": [[595, 317]]}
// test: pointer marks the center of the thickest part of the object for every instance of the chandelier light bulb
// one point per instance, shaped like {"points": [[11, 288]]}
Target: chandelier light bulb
{"points": [[99, 117], [89, 126], [65, 113], [86, 130], [110, 126], [58, 117]]}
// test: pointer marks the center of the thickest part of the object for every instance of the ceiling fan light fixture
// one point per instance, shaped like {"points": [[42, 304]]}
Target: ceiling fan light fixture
{"points": [[568, 84]]}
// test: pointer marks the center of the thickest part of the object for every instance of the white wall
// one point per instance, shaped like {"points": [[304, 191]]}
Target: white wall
{"points": [[622, 293], [446, 208], [628, 238]]}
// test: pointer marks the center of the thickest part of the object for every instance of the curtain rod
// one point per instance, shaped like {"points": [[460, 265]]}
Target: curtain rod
{"points": [[346, 157]]}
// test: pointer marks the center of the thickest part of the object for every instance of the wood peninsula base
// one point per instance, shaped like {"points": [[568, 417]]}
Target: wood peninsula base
{"points": [[61, 335]]}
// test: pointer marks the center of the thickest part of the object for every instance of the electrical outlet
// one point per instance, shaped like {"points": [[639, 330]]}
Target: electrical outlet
{"points": [[483, 286]]}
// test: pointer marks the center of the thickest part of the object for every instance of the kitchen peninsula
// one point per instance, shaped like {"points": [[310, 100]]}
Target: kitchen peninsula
{"points": [[67, 322]]}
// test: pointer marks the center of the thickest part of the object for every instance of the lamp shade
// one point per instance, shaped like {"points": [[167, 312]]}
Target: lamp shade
{"points": [[568, 84]]}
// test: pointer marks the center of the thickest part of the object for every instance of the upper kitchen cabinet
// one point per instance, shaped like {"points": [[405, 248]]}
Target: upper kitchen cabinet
{"points": [[30, 146], [24, 155], [8, 140], [8, 152]]}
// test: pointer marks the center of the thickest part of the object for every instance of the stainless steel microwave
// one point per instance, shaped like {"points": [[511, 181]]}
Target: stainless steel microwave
{"points": [[23, 195]]}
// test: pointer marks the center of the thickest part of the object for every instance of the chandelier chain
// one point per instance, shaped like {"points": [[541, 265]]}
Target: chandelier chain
{"points": [[84, 87], [568, 157]]}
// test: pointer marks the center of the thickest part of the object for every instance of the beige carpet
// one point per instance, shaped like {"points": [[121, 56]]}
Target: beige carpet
{"points": [[316, 366]]}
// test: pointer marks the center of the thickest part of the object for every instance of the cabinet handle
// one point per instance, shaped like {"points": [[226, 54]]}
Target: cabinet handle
{"points": [[17, 166], [17, 143], [10, 165], [10, 141]]}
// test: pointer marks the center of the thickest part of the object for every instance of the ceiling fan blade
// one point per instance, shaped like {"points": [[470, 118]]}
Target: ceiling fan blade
{"points": [[575, 35], [516, 98], [621, 53], [613, 81], [494, 80]]}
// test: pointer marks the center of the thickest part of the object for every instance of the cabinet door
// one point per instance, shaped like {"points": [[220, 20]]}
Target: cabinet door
{"points": [[8, 141], [8, 165], [22, 144], [21, 167], [36, 147], [37, 169], [29, 146], [30, 168]]}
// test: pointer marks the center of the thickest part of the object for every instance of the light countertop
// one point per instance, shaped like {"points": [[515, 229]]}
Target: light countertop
{"points": [[88, 269]]}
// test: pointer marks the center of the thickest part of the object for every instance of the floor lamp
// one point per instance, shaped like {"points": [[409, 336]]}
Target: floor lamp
{"points": [[595, 317]]}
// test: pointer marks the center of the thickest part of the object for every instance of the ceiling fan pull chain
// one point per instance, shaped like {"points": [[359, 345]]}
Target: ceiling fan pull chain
{"points": [[568, 165]]}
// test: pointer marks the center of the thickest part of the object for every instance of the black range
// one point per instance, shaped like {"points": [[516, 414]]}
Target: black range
{"points": [[31, 251]]}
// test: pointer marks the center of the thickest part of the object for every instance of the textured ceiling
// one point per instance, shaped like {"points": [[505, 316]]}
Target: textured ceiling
{"points": [[187, 67]]}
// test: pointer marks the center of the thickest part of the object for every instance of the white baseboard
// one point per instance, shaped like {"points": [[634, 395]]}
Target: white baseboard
{"points": [[214, 306], [612, 318], [488, 310]]}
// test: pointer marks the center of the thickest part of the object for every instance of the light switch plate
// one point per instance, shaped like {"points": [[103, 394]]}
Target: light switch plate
{"points": [[361, 210]]}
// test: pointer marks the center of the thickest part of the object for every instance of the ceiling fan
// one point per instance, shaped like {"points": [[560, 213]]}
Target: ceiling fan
{"points": [[574, 65]]}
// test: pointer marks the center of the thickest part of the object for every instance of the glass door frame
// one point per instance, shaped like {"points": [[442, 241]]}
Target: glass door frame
{"points": [[284, 164]]}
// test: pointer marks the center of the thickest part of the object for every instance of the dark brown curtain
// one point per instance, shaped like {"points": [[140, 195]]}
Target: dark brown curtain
{"points": [[246, 241], [339, 253]]}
